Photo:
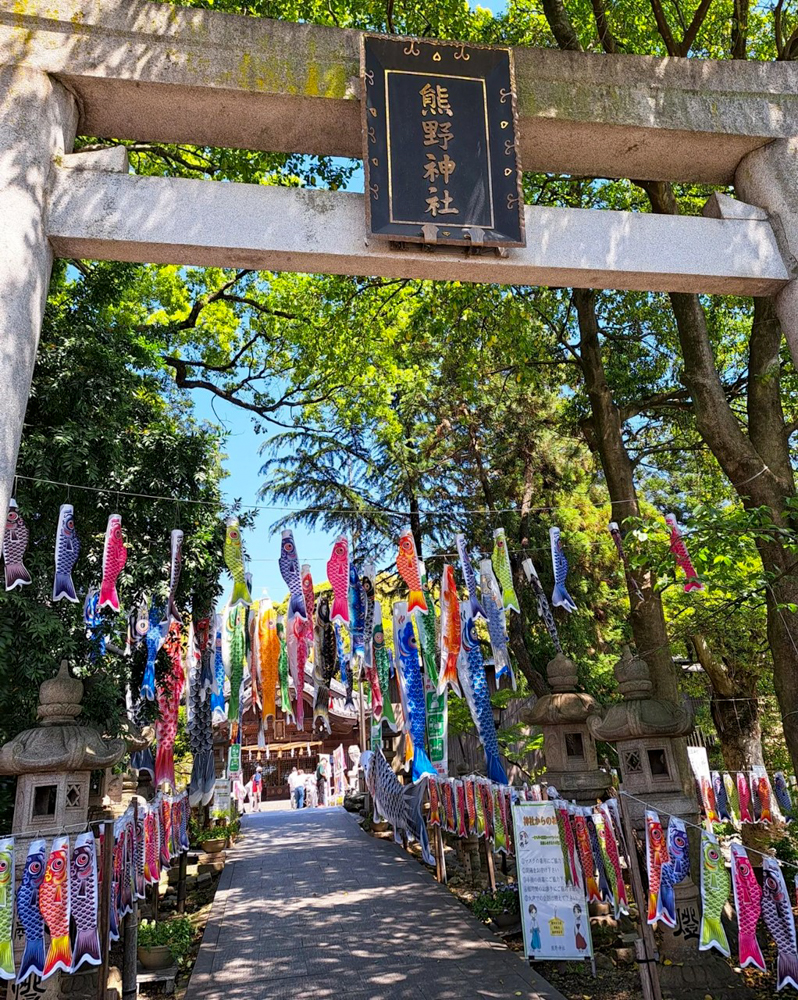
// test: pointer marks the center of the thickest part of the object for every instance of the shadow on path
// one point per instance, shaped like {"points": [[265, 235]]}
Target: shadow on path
{"points": [[310, 907]]}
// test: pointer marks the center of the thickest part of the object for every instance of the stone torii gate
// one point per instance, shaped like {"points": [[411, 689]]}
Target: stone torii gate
{"points": [[154, 72]]}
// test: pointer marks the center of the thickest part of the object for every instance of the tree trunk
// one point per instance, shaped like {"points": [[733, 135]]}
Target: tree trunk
{"points": [[516, 627], [760, 478], [739, 731], [517, 624], [735, 710], [647, 617]]}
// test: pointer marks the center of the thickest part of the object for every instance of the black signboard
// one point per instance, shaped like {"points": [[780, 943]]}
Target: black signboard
{"points": [[439, 144]]}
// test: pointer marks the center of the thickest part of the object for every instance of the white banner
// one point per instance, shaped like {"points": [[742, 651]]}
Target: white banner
{"points": [[553, 914]]}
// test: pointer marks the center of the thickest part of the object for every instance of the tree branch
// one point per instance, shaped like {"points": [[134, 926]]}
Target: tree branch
{"points": [[561, 27], [695, 26], [259, 307], [606, 37], [713, 668], [678, 399], [715, 419], [186, 363], [739, 31], [205, 300], [664, 29]]}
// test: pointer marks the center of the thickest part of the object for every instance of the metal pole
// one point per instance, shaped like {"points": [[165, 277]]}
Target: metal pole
{"points": [[107, 862], [645, 946], [361, 712], [491, 869], [440, 853], [181, 883], [361, 774], [130, 937]]}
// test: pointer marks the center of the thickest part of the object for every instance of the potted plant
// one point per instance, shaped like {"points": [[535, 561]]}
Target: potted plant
{"points": [[225, 826], [164, 943], [212, 842], [233, 827], [501, 906]]}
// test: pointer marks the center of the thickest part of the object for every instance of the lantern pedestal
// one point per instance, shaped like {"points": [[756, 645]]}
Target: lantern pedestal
{"points": [[568, 745], [53, 765], [643, 730]]}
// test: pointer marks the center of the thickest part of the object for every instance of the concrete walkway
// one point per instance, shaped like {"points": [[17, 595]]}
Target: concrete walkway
{"points": [[309, 907]]}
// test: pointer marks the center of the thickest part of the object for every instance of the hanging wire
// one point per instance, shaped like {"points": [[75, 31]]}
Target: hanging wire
{"points": [[481, 511], [697, 826]]}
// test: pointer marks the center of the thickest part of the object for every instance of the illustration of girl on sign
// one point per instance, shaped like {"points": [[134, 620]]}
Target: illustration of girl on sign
{"points": [[581, 944], [534, 937]]}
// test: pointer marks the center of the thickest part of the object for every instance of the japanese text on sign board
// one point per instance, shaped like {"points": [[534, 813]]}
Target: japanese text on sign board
{"points": [[440, 147], [435, 101]]}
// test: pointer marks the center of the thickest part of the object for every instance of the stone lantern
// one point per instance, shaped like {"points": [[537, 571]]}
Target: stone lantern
{"points": [[642, 729], [568, 745], [54, 761]]}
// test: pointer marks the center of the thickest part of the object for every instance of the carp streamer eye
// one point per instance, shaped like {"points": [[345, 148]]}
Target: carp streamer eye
{"points": [[744, 869], [70, 524], [57, 865], [3, 867], [82, 859], [12, 515], [289, 548], [35, 867], [233, 536]]}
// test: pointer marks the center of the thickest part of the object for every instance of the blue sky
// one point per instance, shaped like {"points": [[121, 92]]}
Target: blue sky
{"points": [[244, 480]]}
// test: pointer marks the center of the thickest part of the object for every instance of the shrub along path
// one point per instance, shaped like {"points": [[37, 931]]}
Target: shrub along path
{"points": [[309, 907]]}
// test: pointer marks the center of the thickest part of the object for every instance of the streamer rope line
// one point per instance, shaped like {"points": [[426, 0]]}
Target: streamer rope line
{"points": [[482, 511], [697, 826]]}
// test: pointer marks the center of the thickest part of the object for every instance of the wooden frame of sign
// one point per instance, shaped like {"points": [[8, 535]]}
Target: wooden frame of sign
{"points": [[440, 149]]}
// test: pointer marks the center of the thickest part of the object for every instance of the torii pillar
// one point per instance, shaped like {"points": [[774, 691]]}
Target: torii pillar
{"points": [[38, 122], [768, 178]]}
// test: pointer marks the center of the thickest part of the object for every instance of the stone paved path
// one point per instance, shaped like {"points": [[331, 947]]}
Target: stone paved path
{"points": [[310, 907]]}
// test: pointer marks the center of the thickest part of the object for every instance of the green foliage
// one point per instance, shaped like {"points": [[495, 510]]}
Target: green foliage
{"points": [[786, 847], [182, 750], [177, 933], [101, 415], [225, 824], [222, 825], [492, 902], [196, 832]]}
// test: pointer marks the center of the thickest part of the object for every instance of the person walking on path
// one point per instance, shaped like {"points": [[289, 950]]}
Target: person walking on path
{"points": [[296, 786], [257, 788], [321, 781], [311, 801]]}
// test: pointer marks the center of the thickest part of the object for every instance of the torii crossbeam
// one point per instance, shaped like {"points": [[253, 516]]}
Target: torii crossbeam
{"points": [[154, 72]]}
